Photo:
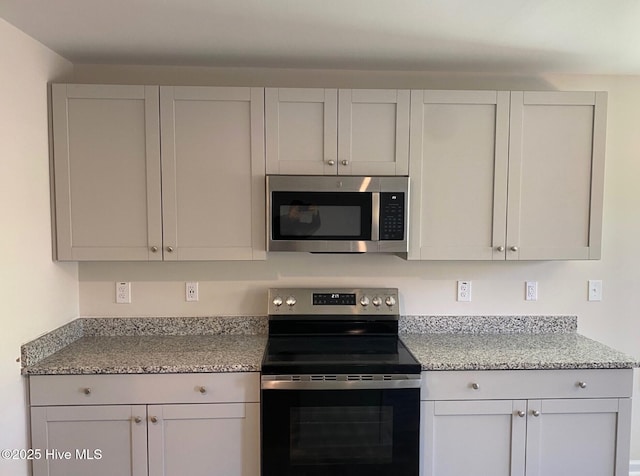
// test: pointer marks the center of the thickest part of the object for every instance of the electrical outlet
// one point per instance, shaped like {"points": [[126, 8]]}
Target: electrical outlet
{"points": [[191, 291], [595, 290], [123, 292], [464, 291], [531, 291]]}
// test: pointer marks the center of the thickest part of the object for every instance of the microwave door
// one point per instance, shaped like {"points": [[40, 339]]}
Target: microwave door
{"points": [[322, 216]]}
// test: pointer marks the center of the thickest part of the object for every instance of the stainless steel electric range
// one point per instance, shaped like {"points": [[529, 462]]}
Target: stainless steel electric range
{"points": [[340, 391]]}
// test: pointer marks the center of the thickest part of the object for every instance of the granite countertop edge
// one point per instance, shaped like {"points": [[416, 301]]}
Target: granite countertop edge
{"points": [[232, 344]]}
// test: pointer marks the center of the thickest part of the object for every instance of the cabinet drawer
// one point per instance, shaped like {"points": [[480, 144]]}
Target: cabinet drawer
{"points": [[526, 384], [144, 389]]}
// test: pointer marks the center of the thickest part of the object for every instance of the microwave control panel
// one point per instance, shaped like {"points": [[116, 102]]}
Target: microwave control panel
{"points": [[392, 216]]}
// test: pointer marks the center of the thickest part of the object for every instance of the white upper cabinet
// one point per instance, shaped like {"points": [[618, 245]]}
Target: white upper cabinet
{"points": [[373, 132], [213, 195], [556, 175], [114, 199], [106, 145], [499, 175], [330, 131], [459, 159], [301, 131]]}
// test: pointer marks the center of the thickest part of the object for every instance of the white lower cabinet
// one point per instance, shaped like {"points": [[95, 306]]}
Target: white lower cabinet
{"points": [[218, 437], [204, 440], [467, 430]]}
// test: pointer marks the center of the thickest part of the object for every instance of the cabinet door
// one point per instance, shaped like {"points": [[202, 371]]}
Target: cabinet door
{"points": [[301, 131], [205, 440], [483, 438], [459, 157], [213, 173], [556, 175], [106, 146], [101, 440], [373, 132], [585, 437]]}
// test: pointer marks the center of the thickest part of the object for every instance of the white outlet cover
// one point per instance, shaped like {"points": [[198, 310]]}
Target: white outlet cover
{"points": [[595, 290], [191, 291], [464, 291], [123, 292], [531, 291]]}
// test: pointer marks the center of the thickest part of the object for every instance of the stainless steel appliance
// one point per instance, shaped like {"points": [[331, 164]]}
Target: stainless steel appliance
{"points": [[340, 391], [337, 214]]}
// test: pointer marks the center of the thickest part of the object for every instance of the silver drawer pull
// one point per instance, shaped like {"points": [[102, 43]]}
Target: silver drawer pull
{"points": [[520, 413], [86, 390], [137, 419], [535, 413], [154, 419], [202, 390], [475, 386], [582, 384]]}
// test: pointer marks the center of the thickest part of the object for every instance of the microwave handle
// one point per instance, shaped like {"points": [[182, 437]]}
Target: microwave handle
{"points": [[375, 216]]}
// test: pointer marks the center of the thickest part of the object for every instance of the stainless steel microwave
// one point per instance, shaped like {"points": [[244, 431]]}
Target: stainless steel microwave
{"points": [[333, 214]]}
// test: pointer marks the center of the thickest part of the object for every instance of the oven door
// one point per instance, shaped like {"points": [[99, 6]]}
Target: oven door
{"points": [[340, 432]]}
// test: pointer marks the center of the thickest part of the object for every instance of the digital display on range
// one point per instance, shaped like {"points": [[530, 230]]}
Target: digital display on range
{"points": [[334, 299]]}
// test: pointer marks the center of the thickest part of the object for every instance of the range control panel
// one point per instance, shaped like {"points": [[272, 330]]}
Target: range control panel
{"points": [[338, 301]]}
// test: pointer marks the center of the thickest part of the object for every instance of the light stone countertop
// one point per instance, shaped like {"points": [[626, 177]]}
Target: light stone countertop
{"points": [[545, 351], [155, 354], [237, 344]]}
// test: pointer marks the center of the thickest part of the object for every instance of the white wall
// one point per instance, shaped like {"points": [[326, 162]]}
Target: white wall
{"points": [[36, 294], [427, 287]]}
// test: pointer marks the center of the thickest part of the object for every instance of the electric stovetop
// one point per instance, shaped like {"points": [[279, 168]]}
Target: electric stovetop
{"points": [[337, 331]]}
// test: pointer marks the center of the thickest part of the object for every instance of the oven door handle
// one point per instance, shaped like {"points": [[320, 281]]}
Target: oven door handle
{"points": [[407, 381]]}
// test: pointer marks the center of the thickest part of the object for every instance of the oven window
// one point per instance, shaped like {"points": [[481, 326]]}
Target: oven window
{"points": [[321, 216], [341, 435]]}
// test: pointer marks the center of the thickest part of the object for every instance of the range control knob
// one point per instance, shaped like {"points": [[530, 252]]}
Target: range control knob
{"points": [[277, 301], [291, 301], [364, 301], [376, 301], [390, 301]]}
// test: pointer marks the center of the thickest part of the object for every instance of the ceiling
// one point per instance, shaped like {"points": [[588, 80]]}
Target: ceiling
{"points": [[515, 36]]}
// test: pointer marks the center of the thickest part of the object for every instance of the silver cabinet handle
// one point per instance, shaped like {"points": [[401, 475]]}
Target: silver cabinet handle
{"points": [[514, 248], [154, 419], [582, 384], [535, 413], [331, 162], [345, 162], [500, 248], [154, 249], [137, 419], [86, 391], [170, 249], [475, 386], [520, 413], [202, 390]]}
